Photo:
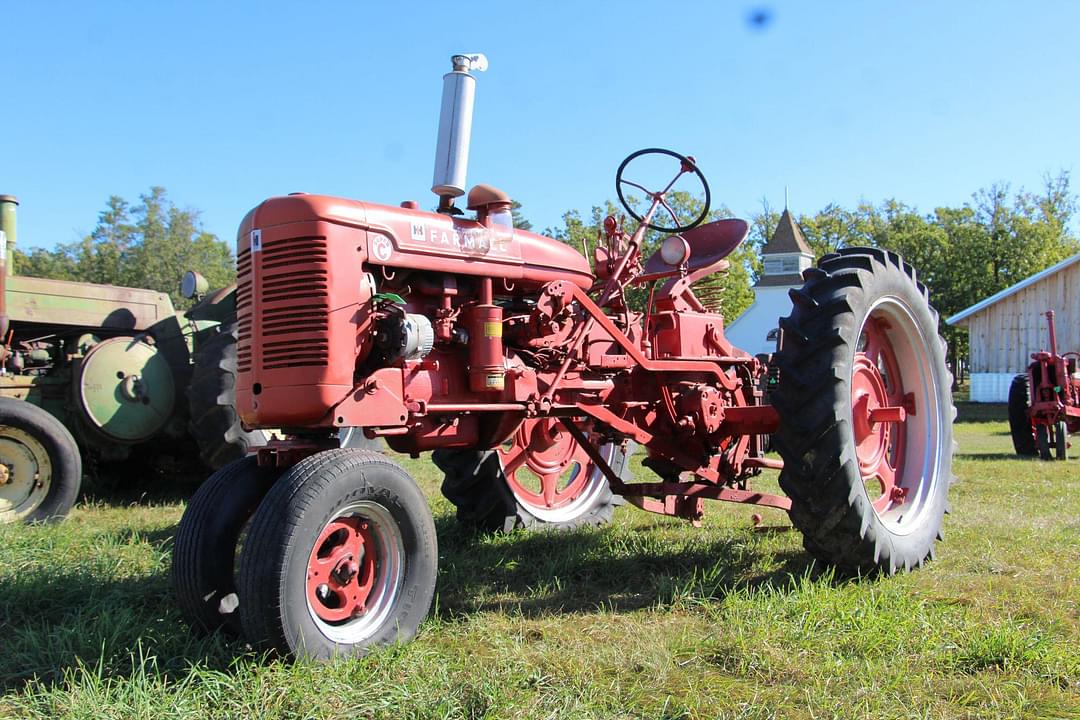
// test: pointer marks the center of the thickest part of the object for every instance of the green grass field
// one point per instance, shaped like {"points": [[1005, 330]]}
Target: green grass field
{"points": [[646, 618]]}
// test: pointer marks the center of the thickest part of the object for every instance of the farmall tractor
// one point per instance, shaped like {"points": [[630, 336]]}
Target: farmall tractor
{"points": [[522, 366], [1044, 402]]}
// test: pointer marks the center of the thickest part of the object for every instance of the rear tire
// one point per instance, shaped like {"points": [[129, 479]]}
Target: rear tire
{"points": [[214, 423], [835, 448], [205, 549], [42, 469], [341, 556], [1023, 435]]}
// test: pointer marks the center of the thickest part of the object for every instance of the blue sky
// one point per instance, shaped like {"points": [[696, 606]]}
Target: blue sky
{"points": [[226, 103]]}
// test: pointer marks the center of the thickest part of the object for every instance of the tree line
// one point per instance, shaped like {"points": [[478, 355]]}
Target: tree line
{"points": [[149, 244], [963, 254]]}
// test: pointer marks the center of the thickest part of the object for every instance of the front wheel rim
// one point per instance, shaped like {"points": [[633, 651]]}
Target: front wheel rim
{"points": [[896, 416], [355, 572], [26, 475]]}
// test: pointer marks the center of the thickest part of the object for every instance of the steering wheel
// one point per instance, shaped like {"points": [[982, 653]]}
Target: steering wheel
{"points": [[687, 165]]}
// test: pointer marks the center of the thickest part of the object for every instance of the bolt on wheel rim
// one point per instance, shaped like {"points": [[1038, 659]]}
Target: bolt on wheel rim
{"points": [[549, 473], [29, 473], [896, 415], [355, 572]]}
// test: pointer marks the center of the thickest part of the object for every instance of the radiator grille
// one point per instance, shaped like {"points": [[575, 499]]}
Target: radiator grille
{"points": [[243, 311], [294, 302]]}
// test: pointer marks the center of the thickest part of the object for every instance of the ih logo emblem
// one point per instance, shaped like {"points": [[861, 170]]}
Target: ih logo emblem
{"points": [[418, 231], [256, 241]]}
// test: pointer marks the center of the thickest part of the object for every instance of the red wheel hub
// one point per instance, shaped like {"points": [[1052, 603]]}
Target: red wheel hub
{"points": [[544, 448], [341, 570], [879, 410]]}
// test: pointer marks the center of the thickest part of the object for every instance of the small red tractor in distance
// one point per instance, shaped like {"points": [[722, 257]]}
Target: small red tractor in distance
{"points": [[1044, 402], [526, 371]]}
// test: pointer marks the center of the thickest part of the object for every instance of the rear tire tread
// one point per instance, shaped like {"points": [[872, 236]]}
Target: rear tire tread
{"points": [[1019, 423], [214, 422], [831, 510]]}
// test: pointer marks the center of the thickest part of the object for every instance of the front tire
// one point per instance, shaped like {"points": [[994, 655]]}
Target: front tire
{"points": [[341, 556], [204, 553], [40, 465], [1042, 441], [865, 414]]}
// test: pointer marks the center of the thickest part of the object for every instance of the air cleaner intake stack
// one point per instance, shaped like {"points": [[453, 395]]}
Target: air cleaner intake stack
{"points": [[455, 129], [8, 203]]}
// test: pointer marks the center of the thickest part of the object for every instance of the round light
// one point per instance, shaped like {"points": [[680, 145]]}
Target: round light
{"points": [[674, 250], [193, 284]]}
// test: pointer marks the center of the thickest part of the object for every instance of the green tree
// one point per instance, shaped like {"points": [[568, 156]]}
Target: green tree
{"points": [[519, 220], [762, 226], [963, 254], [149, 245], [45, 264], [172, 241], [829, 229], [102, 256]]}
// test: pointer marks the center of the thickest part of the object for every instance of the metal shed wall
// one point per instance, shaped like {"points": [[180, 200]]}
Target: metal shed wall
{"points": [[1003, 335]]}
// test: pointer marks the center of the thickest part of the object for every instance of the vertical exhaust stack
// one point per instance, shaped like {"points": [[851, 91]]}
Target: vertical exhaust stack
{"points": [[455, 129], [8, 203]]}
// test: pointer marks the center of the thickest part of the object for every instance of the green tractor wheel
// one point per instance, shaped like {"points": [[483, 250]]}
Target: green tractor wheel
{"points": [[214, 423], [40, 466]]}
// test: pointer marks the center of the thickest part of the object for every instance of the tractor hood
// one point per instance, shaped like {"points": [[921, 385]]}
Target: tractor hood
{"points": [[410, 238]]}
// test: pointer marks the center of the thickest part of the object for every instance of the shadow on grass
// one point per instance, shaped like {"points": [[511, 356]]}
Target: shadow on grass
{"points": [[994, 456], [144, 480], [104, 617], [55, 622], [969, 412], [619, 570]]}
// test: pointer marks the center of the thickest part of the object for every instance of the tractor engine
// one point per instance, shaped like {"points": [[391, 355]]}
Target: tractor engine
{"points": [[385, 317]]}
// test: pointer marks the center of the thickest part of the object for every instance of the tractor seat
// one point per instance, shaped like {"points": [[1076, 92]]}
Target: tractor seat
{"points": [[709, 244]]}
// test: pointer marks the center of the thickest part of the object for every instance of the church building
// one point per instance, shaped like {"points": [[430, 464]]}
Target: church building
{"points": [[784, 258]]}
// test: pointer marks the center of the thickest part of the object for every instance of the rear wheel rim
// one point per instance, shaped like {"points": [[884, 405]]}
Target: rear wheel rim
{"points": [[550, 474], [26, 475], [355, 572], [896, 416]]}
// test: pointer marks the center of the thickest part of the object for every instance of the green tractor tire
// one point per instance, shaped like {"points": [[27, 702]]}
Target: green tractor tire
{"points": [[215, 424], [40, 465]]}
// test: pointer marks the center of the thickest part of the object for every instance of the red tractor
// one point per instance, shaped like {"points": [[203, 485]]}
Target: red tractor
{"points": [[1044, 402], [529, 374]]}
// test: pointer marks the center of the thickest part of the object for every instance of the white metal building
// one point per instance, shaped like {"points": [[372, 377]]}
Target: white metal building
{"points": [[1005, 328], [784, 258]]}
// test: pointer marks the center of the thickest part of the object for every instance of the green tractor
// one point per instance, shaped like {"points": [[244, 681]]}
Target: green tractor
{"points": [[93, 371]]}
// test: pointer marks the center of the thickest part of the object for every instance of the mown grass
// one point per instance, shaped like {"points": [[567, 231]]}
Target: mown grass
{"points": [[646, 618]]}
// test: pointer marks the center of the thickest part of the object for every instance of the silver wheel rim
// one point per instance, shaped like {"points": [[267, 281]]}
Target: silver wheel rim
{"points": [[389, 575], [924, 445], [591, 496], [29, 473]]}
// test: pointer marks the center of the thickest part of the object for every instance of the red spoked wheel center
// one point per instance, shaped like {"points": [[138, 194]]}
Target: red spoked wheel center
{"points": [[879, 408], [545, 467], [341, 570]]}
